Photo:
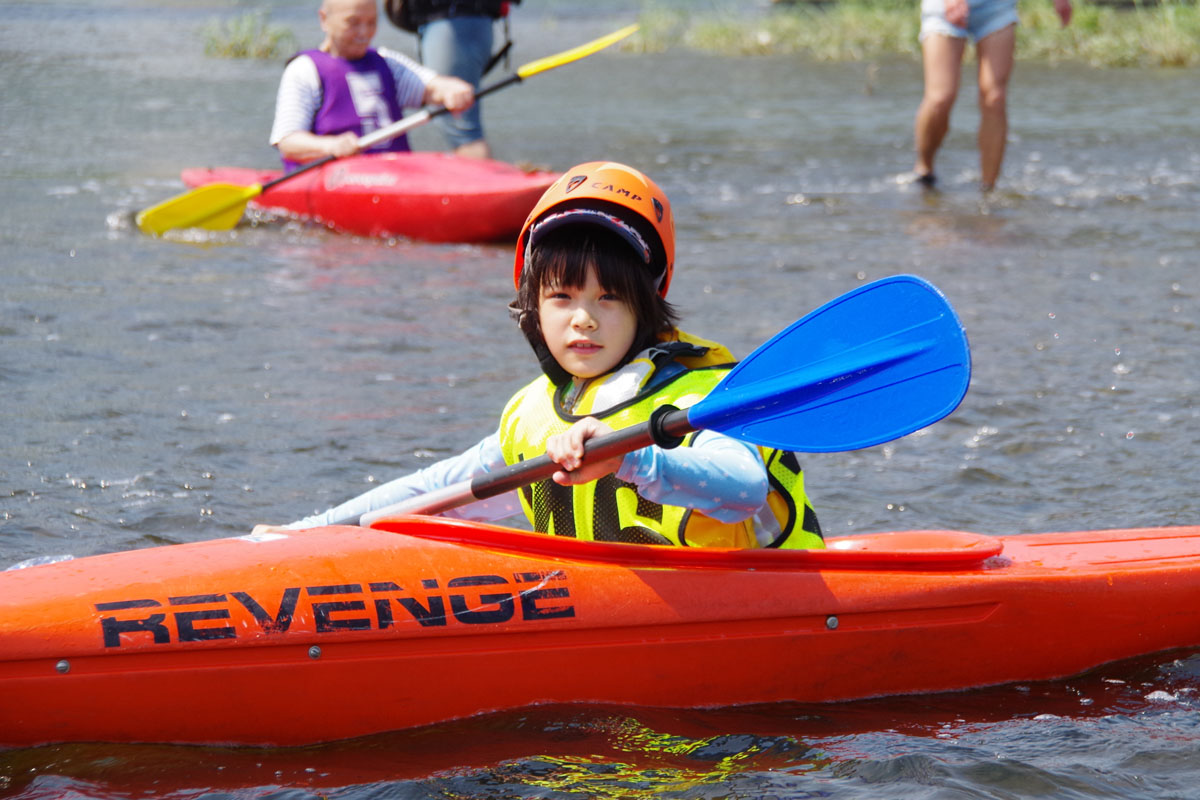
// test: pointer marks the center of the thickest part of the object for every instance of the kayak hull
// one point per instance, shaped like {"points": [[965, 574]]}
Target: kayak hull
{"points": [[345, 631], [433, 197]]}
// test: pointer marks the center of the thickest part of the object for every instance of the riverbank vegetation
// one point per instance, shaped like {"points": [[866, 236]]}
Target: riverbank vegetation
{"points": [[249, 35], [1164, 34]]}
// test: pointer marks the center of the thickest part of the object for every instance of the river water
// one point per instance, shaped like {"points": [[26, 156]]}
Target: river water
{"points": [[155, 391]]}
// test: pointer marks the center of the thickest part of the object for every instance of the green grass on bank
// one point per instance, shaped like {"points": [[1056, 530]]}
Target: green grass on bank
{"points": [[248, 35], [1162, 35]]}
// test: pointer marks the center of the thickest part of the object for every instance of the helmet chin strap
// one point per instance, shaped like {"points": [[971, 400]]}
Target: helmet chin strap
{"points": [[554, 371]]}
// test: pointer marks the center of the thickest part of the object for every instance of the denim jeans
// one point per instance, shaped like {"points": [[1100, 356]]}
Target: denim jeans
{"points": [[458, 46]]}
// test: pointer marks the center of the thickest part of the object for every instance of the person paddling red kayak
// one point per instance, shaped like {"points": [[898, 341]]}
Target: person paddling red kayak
{"points": [[219, 206], [331, 96]]}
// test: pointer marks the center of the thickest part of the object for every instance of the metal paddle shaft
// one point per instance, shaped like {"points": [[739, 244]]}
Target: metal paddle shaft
{"points": [[426, 114], [219, 206], [387, 132], [873, 365]]}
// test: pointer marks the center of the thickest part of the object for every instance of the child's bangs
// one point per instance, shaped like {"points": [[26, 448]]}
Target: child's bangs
{"points": [[620, 274], [574, 250]]}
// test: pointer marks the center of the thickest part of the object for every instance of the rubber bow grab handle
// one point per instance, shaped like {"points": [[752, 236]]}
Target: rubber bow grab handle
{"points": [[219, 206], [875, 364]]}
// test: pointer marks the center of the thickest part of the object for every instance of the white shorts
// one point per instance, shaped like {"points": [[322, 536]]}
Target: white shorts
{"points": [[984, 17]]}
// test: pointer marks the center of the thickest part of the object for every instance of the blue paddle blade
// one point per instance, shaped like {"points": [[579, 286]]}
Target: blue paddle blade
{"points": [[875, 364]]}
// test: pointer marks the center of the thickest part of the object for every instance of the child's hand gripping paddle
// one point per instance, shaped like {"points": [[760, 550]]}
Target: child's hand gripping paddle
{"points": [[873, 365]]}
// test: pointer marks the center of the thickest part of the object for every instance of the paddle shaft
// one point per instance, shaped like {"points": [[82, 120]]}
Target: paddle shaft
{"points": [[389, 132], [666, 428]]}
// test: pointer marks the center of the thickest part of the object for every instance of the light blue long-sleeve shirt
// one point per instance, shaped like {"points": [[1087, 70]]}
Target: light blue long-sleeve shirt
{"points": [[719, 476]]}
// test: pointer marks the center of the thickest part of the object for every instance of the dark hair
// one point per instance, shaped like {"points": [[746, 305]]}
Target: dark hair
{"points": [[563, 257]]}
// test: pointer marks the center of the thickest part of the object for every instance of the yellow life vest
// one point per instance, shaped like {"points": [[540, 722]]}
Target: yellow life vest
{"points": [[681, 372]]}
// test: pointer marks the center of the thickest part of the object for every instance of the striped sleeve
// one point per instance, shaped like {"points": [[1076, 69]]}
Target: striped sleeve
{"points": [[411, 77], [297, 100]]}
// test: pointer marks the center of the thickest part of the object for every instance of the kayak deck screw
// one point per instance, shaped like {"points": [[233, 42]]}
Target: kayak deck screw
{"points": [[831, 622], [314, 652], [63, 666]]}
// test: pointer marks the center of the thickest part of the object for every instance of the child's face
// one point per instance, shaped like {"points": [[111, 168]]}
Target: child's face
{"points": [[587, 328]]}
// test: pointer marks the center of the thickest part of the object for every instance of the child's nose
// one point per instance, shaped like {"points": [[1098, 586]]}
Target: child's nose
{"points": [[583, 318]]}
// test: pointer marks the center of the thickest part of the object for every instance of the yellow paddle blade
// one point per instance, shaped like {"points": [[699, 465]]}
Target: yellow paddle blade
{"points": [[575, 53], [216, 207]]}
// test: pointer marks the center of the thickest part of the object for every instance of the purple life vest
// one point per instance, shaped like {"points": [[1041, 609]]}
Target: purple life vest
{"points": [[357, 96]]}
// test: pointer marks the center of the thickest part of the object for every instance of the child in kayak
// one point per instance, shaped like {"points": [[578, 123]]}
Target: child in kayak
{"points": [[593, 264]]}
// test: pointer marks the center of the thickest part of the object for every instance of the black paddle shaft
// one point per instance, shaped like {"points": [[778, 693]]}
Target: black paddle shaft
{"points": [[666, 428]]}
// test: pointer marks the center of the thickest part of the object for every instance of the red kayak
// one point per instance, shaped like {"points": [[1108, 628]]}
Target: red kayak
{"points": [[434, 197], [287, 639]]}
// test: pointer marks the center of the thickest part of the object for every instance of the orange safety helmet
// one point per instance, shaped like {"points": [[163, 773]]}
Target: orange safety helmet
{"points": [[614, 196]]}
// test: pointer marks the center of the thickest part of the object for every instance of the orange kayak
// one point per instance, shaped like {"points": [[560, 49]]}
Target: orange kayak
{"points": [[433, 197], [288, 639]]}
